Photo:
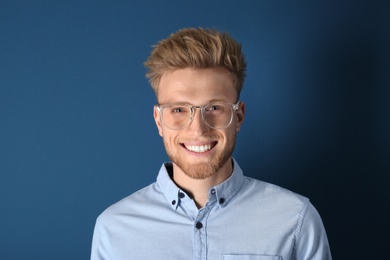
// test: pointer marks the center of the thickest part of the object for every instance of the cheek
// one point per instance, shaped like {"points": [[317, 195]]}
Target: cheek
{"points": [[227, 137], [167, 144], [168, 138], [231, 136]]}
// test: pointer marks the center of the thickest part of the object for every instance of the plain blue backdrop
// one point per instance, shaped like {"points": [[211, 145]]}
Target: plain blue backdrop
{"points": [[77, 132]]}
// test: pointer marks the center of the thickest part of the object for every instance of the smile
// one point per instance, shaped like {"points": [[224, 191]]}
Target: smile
{"points": [[199, 148]]}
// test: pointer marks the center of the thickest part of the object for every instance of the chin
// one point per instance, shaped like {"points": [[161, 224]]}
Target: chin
{"points": [[202, 170]]}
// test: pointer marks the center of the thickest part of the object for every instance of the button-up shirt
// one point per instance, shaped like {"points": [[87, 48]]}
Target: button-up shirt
{"points": [[244, 218]]}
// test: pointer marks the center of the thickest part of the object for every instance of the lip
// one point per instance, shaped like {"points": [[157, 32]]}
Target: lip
{"points": [[199, 148]]}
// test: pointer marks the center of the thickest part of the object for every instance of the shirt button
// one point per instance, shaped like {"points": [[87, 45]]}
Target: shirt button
{"points": [[198, 225], [213, 191], [221, 200], [181, 195], [173, 202]]}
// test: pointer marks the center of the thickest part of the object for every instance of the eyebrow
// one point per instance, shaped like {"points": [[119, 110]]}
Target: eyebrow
{"points": [[188, 103]]}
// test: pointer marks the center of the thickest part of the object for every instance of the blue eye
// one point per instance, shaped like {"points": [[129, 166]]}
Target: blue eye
{"points": [[215, 108], [179, 110]]}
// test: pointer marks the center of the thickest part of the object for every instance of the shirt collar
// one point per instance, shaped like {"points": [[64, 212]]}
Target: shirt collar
{"points": [[226, 190], [222, 192], [168, 187]]}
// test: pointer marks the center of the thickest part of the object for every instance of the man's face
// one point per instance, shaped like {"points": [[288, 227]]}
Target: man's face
{"points": [[199, 150]]}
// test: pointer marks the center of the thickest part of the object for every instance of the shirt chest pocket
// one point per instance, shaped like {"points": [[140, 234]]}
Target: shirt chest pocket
{"points": [[251, 257]]}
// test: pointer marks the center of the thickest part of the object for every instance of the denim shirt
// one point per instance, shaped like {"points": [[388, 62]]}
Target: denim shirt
{"points": [[243, 219]]}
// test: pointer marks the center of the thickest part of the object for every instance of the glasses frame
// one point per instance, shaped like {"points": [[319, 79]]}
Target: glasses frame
{"points": [[233, 107]]}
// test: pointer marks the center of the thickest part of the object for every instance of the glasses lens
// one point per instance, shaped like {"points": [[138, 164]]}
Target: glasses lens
{"points": [[218, 115], [176, 116]]}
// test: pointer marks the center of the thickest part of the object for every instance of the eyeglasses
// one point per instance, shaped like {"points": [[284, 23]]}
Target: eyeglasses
{"points": [[217, 115]]}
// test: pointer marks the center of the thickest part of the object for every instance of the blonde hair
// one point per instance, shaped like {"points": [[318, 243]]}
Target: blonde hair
{"points": [[196, 48]]}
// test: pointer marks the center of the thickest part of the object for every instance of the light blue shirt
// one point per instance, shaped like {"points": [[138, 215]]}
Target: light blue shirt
{"points": [[243, 219]]}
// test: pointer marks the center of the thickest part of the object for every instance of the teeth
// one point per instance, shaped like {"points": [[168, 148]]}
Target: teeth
{"points": [[199, 149]]}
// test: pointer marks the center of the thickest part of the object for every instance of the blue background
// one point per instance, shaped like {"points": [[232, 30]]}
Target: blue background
{"points": [[76, 126]]}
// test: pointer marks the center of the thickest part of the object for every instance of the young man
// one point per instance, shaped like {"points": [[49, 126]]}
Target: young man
{"points": [[202, 206]]}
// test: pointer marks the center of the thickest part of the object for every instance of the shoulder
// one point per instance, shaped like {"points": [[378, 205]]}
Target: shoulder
{"points": [[271, 201], [283, 206], [265, 191], [129, 205]]}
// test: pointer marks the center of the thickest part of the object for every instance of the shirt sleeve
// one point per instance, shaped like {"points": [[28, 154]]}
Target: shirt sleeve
{"points": [[99, 244], [312, 242]]}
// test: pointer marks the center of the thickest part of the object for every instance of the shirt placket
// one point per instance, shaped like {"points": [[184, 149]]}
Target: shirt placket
{"points": [[200, 234]]}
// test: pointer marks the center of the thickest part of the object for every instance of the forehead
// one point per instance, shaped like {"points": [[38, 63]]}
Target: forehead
{"points": [[196, 86]]}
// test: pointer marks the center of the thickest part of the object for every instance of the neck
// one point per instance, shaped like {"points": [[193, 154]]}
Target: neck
{"points": [[198, 189]]}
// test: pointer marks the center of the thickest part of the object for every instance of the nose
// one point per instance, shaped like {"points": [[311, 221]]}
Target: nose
{"points": [[198, 125]]}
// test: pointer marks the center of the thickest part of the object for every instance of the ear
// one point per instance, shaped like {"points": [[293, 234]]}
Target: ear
{"points": [[157, 120], [240, 114]]}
